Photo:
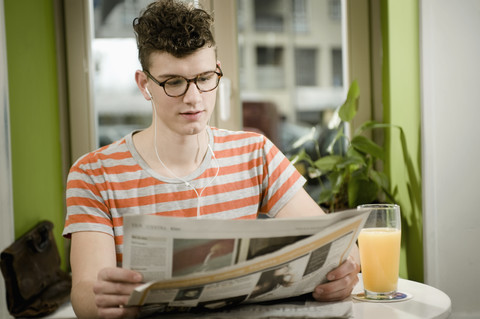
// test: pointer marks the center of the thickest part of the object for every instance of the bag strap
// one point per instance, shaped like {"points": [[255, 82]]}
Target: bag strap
{"points": [[39, 240]]}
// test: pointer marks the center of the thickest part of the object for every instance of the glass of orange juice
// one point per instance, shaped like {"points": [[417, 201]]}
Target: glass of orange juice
{"points": [[379, 244]]}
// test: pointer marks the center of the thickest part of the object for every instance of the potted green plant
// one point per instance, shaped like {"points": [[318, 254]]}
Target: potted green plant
{"points": [[349, 176]]}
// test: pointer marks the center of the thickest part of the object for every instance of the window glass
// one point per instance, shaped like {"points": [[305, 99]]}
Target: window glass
{"points": [[305, 67], [291, 67], [300, 18], [269, 16], [337, 68], [270, 67], [119, 105]]}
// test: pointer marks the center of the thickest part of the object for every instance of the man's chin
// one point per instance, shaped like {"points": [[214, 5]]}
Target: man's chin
{"points": [[194, 130]]}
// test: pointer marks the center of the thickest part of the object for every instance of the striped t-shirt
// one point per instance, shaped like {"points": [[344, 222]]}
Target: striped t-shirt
{"points": [[247, 176]]}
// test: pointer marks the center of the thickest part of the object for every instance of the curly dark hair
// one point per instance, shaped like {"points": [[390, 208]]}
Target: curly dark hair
{"points": [[173, 27]]}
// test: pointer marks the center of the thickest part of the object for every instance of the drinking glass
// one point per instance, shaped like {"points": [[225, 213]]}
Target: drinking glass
{"points": [[379, 244]]}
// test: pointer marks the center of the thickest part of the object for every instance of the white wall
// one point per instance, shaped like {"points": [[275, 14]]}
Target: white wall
{"points": [[6, 204], [450, 65]]}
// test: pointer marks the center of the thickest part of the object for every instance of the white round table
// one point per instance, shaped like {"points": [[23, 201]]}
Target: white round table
{"points": [[426, 303]]}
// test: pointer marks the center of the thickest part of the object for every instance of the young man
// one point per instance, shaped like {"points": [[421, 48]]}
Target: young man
{"points": [[179, 166]]}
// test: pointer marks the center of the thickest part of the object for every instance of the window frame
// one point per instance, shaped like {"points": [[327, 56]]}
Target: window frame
{"points": [[361, 47]]}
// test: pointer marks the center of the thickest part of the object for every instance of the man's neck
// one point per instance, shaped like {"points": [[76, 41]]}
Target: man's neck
{"points": [[180, 155]]}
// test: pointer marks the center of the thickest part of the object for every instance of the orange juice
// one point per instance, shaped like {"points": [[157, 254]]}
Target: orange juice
{"points": [[380, 257]]}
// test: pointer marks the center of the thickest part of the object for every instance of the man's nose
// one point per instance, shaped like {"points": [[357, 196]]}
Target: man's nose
{"points": [[192, 94]]}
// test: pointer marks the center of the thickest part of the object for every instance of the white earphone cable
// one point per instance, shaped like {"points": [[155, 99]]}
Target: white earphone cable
{"points": [[172, 173]]}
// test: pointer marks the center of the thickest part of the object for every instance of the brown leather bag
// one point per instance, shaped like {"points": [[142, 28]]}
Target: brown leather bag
{"points": [[34, 282]]}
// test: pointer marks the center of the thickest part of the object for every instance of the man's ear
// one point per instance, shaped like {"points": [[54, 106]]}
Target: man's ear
{"points": [[141, 80]]}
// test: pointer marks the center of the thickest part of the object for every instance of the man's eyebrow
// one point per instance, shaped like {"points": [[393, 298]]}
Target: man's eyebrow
{"points": [[167, 76]]}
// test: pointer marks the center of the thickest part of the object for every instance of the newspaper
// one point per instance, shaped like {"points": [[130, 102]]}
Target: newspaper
{"points": [[298, 307], [211, 264]]}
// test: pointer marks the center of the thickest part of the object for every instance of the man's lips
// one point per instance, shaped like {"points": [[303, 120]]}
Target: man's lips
{"points": [[190, 112], [192, 115]]}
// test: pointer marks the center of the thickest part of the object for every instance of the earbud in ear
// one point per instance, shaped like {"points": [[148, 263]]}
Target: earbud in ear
{"points": [[148, 92]]}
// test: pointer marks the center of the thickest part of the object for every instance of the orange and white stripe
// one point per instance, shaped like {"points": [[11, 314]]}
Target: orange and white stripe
{"points": [[254, 177]]}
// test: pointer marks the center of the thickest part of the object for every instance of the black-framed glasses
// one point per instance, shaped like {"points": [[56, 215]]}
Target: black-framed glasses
{"points": [[178, 85]]}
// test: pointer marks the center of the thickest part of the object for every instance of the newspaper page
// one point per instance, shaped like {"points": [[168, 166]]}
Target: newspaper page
{"points": [[211, 264]]}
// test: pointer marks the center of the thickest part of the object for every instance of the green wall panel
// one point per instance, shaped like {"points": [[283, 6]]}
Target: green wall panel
{"points": [[34, 115], [401, 97]]}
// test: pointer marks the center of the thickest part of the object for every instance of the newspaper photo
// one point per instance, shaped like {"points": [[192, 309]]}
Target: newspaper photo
{"points": [[211, 264]]}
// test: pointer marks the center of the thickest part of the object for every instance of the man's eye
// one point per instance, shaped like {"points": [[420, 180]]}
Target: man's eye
{"points": [[205, 77], [175, 82]]}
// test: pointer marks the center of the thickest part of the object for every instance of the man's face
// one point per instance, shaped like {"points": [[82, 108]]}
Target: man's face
{"points": [[187, 114]]}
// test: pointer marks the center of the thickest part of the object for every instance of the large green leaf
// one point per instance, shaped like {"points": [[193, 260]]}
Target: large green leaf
{"points": [[351, 162], [370, 125], [348, 110], [301, 156], [325, 196], [361, 190], [305, 138], [327, 163], [353, 153], [314, 172], [337, 180], [379, 178], [339, 138], [365, 145]]}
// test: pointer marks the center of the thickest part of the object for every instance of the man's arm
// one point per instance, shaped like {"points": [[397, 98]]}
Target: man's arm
{"points": [[343, 278], [98, 286]]}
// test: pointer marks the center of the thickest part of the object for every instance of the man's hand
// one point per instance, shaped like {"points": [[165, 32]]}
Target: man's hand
{"points": [[112, 289], [341, 282], [343, 278]]}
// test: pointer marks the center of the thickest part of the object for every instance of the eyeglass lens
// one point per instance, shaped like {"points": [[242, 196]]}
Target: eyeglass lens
{"points": [[179, 85]]}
